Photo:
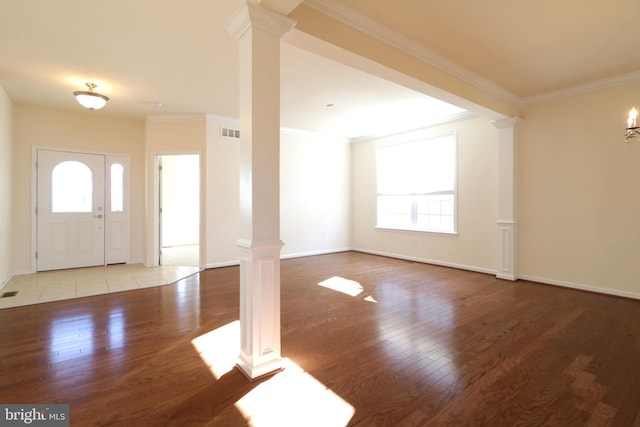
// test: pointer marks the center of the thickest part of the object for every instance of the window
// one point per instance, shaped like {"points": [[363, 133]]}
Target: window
{"points": [[416, 184], [71, 188]]}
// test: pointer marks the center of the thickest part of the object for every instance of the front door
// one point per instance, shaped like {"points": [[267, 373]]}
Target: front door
{"points": [[70, 210]]}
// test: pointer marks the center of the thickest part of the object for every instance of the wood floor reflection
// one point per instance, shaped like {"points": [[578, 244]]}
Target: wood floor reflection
{"points": [[381, 342]]}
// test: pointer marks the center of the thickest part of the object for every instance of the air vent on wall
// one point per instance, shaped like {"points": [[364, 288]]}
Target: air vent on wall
{"points": [[230, 133]]}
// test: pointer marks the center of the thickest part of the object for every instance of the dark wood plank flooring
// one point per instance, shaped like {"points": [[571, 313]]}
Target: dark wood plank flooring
{"points": [[421, 345]]}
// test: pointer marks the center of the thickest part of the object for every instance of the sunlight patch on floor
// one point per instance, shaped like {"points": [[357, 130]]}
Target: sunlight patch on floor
{"points": [[219, 349], [291, 397], [294, 398], [340, 284]]}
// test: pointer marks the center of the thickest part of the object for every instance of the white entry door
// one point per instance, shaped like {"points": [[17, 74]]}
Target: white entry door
{"points": [[70, 210]]}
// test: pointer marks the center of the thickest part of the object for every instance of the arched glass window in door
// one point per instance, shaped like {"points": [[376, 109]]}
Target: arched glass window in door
{"points": [[117, 187], [71, 188]]}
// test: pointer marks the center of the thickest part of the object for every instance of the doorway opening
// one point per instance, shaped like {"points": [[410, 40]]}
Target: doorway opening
{"points": [[179, 213]]}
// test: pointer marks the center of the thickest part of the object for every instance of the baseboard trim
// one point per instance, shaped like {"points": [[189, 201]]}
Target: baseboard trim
{"points": [[312, 253], [7, 280], [222, 264], [580, 287], [428, 261]]}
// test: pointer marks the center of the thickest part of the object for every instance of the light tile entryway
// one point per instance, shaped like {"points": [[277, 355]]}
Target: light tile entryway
{"points": [[57, 285]]}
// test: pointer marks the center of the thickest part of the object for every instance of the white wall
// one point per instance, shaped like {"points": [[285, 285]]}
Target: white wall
{"points": [[6, 182], [315, 192], [474, 246], [83, 131], [223, 202]]}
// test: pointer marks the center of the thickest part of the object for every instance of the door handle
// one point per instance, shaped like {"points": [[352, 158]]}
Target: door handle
{"points": [[98, 216]]}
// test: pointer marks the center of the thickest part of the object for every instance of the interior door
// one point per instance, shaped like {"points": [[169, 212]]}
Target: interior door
{"points": [[70, 210]]}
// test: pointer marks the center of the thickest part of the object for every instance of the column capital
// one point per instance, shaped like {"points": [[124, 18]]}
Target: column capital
{"points": [[508, 122], [250, 15], [283, 7]]}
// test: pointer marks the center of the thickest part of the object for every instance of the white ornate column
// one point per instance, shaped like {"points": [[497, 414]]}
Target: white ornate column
{"points": [[259, 31], [506, 199]]}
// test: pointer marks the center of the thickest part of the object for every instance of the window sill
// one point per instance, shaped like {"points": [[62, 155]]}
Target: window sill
{"points": [[417, 230]]}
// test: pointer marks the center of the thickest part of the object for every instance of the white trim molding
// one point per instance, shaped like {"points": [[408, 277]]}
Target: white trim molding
{"points": [[250, 16], [506, 250], [506, 222], [427, 261], [260, 352], [580, 287], [349, 16]]}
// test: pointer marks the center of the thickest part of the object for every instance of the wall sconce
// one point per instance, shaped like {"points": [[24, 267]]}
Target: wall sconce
{"points": [[632, 129], [90, 99]]}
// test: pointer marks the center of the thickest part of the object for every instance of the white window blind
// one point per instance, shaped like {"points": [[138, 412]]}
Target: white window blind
{"points": [[416, 184]]}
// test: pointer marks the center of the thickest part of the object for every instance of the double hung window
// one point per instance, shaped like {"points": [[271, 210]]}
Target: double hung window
{"points": [[416, 184]]}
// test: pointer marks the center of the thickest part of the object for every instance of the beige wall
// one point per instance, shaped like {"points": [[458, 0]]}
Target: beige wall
{"points": [[173, 135], [474, 247], [6, 181], [576, 189], [82, 131], [578, 192]]}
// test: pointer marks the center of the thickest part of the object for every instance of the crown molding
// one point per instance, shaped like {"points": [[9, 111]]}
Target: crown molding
{"points": [[314, 134], [458, 117], [223, 119], [509, 122], [250, 15], [283, 7], [352, 18], [176, 117], [580, 89]]}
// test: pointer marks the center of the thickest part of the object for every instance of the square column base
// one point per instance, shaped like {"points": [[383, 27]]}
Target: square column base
{"points": [[263, 372], [259, 308], [506, 249]]}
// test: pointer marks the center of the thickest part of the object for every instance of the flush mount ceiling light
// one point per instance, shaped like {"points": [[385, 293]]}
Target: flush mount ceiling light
{"points": [[90, 99]]}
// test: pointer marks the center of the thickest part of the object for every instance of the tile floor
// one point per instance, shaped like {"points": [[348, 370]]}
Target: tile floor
{"points": [[181, 255], [65, 284]]}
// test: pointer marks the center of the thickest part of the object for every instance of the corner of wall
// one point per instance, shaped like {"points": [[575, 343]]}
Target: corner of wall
{"points": [[6, 180]]}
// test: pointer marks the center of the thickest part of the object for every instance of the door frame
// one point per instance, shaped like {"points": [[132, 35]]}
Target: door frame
{"points": [[152, 258], [126, 158], [162, 181]]}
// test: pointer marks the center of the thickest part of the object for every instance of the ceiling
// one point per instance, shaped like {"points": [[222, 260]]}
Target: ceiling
{"points": [[528, 48], [168, 57]]}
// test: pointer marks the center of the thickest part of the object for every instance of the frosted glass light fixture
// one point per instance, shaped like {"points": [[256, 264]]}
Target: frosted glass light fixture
{"points": [[90, 99]]}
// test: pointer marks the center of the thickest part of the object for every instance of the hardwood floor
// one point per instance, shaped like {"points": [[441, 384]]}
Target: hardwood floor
{"points": [[419, 345]]}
